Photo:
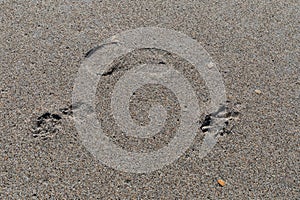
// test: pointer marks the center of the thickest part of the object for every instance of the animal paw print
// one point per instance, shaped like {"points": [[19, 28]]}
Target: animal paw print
{"points": [[219, 122], [47, 125]]}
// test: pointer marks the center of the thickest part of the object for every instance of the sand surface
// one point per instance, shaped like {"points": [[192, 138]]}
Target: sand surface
{"points": [[255, 45]]}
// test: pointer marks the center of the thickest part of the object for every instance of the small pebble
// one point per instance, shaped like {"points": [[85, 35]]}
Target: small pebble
{"points": [[221, 182], [258, 91]]}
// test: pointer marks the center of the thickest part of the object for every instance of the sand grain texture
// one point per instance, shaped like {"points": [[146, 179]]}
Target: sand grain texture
{"points": [[255, 44]]}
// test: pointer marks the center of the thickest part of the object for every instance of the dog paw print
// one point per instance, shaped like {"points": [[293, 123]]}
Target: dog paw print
{"points": [[46, 126], [220, 122]]}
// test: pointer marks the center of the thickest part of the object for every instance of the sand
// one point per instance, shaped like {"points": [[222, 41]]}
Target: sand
{"points": [[255, 45]]}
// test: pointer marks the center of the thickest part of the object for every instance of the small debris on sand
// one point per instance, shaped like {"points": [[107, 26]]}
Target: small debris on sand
{"points": [[221, 182], [258, 91]]}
